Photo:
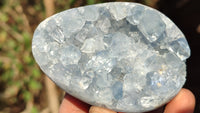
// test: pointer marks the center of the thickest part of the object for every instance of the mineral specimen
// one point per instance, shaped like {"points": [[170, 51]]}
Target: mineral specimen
{"points": [[123, 56]]}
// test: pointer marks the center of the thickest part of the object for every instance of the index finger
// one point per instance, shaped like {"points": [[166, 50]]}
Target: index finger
{"points": [[72, 105]]}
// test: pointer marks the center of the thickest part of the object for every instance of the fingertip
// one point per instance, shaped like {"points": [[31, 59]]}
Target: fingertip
{"points": [[190, 96], [96, 109], [72, 105], [184, 102]]}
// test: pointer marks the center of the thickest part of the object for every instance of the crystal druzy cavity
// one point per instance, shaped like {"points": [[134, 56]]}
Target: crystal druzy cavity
{"points": [[123, 56]]}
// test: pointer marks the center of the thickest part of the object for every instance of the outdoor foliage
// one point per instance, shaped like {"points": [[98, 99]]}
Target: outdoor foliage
{"points": [[21, 80]]}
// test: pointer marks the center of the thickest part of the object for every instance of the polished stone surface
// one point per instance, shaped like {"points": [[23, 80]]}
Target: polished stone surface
{"points": [[122, 56]]}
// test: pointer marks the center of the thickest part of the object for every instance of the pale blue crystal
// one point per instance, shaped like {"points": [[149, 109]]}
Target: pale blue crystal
{"points": [[134, 15], [151, 25], [123, 56]]}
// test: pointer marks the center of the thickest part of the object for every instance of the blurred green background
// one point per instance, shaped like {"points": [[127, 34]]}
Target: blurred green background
{"points": [[23, 87]]}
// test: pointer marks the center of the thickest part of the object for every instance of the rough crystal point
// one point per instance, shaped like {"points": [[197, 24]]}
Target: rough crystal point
{"points": [[123, 56]]}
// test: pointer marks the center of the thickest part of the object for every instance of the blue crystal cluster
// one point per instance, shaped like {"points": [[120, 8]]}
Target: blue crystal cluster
{"points": [[123, 56]]}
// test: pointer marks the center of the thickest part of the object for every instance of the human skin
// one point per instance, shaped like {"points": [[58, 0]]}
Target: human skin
{"points": [[184, 102]]}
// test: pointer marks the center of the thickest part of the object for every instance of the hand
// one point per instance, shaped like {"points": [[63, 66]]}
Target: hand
{"points": [[184, 102]]}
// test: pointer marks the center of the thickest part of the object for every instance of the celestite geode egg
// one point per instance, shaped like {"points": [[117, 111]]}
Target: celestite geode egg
{"points": [[123, 56]]}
